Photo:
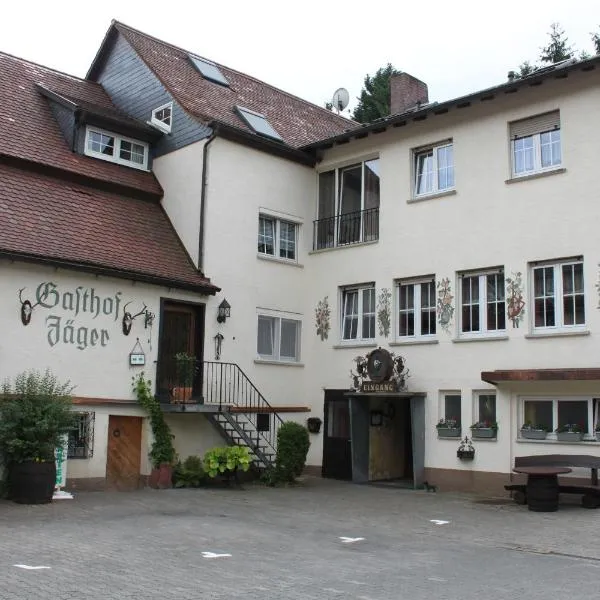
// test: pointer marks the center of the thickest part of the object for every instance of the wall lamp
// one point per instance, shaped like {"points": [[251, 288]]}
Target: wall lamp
{"points": [[223, 312]]}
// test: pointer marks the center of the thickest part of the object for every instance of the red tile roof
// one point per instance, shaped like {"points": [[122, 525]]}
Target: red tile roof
{"points": [[51, 220], [297, 121], [30, 131]]}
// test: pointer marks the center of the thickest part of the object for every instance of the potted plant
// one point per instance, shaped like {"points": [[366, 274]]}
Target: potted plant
{"points": [[530, 431], [35, 415], [484, 429], [448, 428], [313, 424], [571, 432], [162, 453], [185, 369], [465, 450], [227, 461], [189, 473]]}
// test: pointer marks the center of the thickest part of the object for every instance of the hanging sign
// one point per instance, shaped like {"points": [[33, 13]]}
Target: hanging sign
{"points": [[137, 358]]}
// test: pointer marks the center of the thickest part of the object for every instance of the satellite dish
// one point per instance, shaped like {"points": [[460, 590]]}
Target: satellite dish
{"points": [[341, 98]]}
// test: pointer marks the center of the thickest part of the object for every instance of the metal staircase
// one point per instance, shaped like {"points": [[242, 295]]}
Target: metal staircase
{"points": [[244, 417]]}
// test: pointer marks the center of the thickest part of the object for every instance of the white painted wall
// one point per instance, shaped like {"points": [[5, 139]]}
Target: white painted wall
{"points": [[486, 223], [194, 435], [180, 174]]}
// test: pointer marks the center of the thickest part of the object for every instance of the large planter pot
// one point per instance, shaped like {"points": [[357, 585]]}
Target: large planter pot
{"points": [[569, 436], [483, 432], [451, 432], [161, 478], [533, 434], [31, 482]]}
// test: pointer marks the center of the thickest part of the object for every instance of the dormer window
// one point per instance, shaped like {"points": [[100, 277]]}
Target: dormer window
{"points": [[258, 123], [162, 117], [116, 148]]}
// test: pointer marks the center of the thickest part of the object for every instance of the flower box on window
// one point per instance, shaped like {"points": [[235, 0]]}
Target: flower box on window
{"points": [[534, 432], [484, 429], [569, 433], [448, 428]]}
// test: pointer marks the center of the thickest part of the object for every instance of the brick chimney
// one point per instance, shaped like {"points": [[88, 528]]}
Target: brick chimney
{"points": [[406, 92]]}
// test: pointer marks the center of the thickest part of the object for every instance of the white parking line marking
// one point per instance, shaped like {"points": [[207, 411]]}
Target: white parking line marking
{"points": [[30, 568], [439, 522], [214, 555], [351, 540]]}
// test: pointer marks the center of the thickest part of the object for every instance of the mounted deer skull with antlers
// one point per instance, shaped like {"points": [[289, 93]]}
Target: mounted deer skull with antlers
{"points": [[26, 308], [128, 318]]}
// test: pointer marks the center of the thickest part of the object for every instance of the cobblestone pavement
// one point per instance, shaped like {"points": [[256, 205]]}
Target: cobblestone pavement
{"points": [[285, 543]]}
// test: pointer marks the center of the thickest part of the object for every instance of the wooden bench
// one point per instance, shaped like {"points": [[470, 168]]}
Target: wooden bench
{"points": [[590, 493]]}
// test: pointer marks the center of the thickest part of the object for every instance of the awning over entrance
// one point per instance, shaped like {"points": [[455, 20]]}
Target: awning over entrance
{"points": [[512, 375]]}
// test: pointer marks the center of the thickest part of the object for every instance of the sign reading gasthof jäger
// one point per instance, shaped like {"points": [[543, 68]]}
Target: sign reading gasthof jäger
{"points": [[379, 371]]}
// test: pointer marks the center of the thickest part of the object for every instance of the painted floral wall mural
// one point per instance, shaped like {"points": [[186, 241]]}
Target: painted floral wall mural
{"points": [[323, 318], [515, 302], [444, 308], [384, 312]]}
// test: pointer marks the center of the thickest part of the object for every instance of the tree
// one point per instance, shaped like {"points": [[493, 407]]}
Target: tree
{"points": [[596, 42], [525, 68], [374, 100], [557, 48]]}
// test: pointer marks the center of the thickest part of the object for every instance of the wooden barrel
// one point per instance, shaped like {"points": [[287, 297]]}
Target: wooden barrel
{"points": [[31, 482], [542, 493]]}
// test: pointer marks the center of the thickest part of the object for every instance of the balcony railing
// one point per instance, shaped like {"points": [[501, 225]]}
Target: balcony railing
{"points": [[179, 382], [346, 229]]}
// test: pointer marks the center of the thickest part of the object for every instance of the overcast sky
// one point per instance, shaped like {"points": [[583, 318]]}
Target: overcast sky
{"points": [[312, 47]]}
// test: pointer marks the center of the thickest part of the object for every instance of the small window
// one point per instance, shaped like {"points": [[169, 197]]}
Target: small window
{"points": [[277, 238], [416, 308], [485, 408], [434, 170], [536, 144], [558, 296], [278, 339], [162, 117], [81, 437], [482, 302], [451, 408], [258, 123], [209, 70], [115, 148], [358, 313]]}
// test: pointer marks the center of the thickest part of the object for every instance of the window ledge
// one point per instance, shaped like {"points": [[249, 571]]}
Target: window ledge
{"points": [[414, 342], [281, 261], [279, 363], [344, 247], [557, 334], [476, 440], [486, 338], [537, 175], [356, 345], [431, 196], [551, 441]]}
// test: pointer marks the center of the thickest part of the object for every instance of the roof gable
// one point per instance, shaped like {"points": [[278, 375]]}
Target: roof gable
{"points": [[297, 121]]}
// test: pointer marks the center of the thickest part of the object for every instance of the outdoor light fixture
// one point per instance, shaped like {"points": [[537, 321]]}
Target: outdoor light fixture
{"points": [[224, 311]]}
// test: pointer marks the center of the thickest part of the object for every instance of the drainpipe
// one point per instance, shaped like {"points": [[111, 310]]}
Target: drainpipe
{"points": [[203, 194]]}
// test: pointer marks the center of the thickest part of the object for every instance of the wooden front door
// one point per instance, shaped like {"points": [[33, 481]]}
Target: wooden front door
{"points": [[337, 443], [124, 453]]}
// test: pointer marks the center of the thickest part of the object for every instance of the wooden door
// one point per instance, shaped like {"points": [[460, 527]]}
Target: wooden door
{"points": [[337, 444], [124, 453]]}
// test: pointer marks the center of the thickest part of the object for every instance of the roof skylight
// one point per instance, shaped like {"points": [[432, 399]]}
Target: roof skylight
{"points": [[209, 70], [258, 123]]}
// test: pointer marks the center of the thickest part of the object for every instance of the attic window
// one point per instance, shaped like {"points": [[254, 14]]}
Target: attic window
{"points": [[116, 148], [258, 123], [209, 70], [162, 117]]}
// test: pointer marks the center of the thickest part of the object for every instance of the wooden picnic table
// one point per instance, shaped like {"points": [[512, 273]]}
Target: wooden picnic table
{"points": [[542, 487]]}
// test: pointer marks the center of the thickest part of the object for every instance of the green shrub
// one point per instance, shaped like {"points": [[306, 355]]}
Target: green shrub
{"points": [[226, 460], [35, 415], [292, 447], [190, 473], [163, 450]]}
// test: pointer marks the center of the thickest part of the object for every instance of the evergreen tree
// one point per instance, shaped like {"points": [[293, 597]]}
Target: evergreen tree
{"points": [[596, 42], [557, 48], [374, 100]]}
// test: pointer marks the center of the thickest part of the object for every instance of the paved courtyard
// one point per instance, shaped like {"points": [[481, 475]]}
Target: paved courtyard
{"points": [[285, 543]]}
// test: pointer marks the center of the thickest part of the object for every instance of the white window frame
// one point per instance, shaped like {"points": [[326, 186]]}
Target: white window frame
{"points": [[537, 154], [161, 124], [277, 222], [589, 434], [476, 395], [360, 314], [559, 296], [434, 150], [277, 318], [482, 303], [116, 158], [417, 308]]}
